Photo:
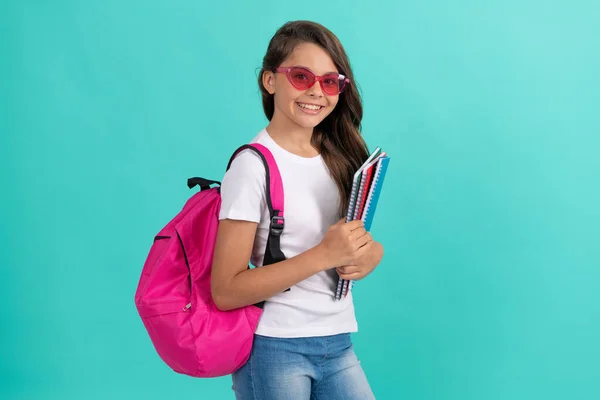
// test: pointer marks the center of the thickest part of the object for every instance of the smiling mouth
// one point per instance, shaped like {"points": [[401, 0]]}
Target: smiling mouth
{"points": [[310, 108]]}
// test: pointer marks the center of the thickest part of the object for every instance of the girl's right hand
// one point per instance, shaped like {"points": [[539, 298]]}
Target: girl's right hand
{"points": [[343, 242]]}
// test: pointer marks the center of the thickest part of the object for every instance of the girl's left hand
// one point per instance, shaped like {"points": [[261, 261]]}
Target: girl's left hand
{"points": [[364, 265]]}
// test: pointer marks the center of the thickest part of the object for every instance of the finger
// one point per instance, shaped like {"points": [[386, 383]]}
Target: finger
{"points": [[358, 233], [350, 277], [361, 252], [363, 240], [348, 269], [355, 224]]}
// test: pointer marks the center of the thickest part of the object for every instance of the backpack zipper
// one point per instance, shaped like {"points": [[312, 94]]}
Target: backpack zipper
{"points": [[187, 307]]}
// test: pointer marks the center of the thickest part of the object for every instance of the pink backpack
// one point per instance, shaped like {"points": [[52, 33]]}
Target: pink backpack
{"points": [[173, 296]]}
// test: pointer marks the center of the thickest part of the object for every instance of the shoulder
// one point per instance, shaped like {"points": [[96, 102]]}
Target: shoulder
{"points": [[246, 168], [243, 187], [248, 161]]}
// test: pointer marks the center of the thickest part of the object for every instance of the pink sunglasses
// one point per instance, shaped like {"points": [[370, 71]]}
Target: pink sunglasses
{"points": [[302, 79]]}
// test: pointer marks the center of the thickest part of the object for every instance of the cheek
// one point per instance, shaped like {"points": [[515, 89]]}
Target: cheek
{"points": [[284, 96], [332, 103]]}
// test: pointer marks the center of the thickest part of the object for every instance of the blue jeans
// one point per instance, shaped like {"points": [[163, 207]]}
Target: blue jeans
{"points": [[313, 368]]}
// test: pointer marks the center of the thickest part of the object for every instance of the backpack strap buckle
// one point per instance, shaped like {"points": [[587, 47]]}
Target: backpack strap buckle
{"points": [[277, 224]]}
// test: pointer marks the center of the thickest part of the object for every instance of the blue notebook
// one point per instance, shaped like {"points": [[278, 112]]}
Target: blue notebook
{"points": [[367, 214], [373, 197]]}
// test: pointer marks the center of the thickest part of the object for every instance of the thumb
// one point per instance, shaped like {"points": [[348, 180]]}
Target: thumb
{"points": [[341, 221]]}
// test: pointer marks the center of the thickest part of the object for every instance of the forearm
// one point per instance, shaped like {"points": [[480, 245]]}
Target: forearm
{"points": [[257, 284]]}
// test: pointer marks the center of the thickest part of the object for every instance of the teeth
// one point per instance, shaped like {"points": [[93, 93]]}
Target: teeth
{"points": [[309, 106]]}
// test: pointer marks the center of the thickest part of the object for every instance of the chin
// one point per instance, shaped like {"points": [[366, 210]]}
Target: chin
{"points": [[306, 124]]}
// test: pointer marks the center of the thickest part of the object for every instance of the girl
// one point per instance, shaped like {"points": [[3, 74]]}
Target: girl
{"points": [[302, 347]]}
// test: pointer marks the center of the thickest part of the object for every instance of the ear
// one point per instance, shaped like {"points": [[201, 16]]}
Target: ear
{"points": [[268, 80]]}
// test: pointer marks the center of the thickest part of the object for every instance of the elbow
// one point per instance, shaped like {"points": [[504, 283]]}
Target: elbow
{"points": [[222, 303], [220, 299]]}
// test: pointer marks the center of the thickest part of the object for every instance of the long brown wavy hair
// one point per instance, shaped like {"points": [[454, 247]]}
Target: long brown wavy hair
{"points": [[338, 137]]}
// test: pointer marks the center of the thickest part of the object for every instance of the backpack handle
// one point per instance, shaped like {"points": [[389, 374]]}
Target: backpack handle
{"points": [[203, 183]]}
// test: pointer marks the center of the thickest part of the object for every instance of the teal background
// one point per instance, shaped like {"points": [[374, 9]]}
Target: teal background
{"points": [[489, 288]]}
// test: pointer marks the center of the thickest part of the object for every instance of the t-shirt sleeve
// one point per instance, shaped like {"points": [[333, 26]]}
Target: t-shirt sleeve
{"points": [[243, 188]]}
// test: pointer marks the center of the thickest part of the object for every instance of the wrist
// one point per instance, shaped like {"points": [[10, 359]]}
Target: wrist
{"points": [[321, 257]]}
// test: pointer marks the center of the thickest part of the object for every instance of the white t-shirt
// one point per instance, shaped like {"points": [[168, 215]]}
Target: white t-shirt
{"points": [[311, 202]]}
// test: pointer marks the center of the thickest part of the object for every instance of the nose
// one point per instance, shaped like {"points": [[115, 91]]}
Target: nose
{"points": [[315, 90]]}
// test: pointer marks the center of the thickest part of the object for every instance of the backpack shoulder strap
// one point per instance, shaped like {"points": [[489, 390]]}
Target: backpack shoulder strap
{"points": [[274, 190]]}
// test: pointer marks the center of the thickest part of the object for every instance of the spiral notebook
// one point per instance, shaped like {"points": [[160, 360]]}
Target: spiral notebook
{"points": [[364, 196]]}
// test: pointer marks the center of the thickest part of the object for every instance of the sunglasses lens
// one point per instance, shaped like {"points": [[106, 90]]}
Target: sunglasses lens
{"points": [[301, 78], [332, 84]]}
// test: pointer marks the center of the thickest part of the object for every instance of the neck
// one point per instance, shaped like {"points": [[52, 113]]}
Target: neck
{"points": [[293, 138]]}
